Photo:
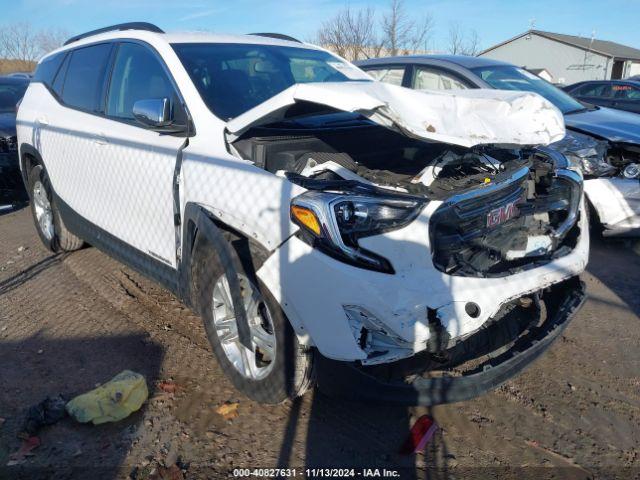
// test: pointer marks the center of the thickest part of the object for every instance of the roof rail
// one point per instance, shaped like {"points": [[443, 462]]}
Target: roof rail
{"points": [[149, 27], [279, 36]]}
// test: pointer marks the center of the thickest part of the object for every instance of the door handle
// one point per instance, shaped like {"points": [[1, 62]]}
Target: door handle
{"points": [[42, 121], [100, 139]]}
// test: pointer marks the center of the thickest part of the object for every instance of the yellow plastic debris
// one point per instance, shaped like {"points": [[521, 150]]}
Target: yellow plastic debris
{"points": [[117, 399], [228, 410]]}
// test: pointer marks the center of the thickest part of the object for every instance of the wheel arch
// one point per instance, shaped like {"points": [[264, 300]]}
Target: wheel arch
{"points": [[200, 225], [29, 158]]}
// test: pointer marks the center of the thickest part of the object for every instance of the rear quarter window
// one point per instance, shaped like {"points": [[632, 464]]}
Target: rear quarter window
{"points": [[84, 80], [47, 69]]}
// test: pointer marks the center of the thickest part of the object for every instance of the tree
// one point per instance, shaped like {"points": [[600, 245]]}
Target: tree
{"points": [[22, 44], [50, 39], [17, 42], [472, 45], [461, 44], [350, 34], [401, 34]]}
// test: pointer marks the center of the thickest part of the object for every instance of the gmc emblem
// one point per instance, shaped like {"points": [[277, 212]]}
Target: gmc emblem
{"points": [[501, 214]]}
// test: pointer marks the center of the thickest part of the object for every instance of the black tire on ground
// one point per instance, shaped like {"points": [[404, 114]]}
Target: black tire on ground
{"points": [[293, 370], [62, 239]]}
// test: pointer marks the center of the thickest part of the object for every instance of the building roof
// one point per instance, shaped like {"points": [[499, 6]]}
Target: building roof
{"points": [[603, 47]]}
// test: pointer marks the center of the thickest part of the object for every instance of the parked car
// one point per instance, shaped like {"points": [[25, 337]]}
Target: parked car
{"points": [[618, 94], [12, 190], [327, 227], [25, 75], [605, 142]]}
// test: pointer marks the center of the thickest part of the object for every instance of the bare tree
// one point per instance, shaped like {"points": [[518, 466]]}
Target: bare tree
{"points": [[18, 42], [455, 39], [461, 44], [21, 46], [350, 34], [472, 44], [401, 34], [50, 39]]}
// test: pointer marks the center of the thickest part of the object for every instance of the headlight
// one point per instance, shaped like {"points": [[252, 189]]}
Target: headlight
{"points": [[333, 222], [631, 171]]}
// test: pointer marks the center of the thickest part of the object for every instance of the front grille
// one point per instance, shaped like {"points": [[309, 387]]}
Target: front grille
{"points": [[516, 224]]}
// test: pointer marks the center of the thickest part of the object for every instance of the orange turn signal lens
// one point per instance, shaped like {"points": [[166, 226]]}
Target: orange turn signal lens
{"points": [[306, 217]]}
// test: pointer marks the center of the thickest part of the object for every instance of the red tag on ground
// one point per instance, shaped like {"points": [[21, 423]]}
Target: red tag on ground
{"points": [[421, 432]]}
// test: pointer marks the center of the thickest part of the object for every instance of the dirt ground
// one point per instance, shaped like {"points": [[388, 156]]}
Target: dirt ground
{"points": [[70, 322]]}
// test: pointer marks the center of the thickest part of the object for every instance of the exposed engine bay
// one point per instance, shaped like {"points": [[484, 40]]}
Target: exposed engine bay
{"points": [[379, 156], [502, 209]]}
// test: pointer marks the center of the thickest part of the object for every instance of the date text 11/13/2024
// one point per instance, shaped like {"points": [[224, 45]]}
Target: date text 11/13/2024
{"points": [[316, 473]]}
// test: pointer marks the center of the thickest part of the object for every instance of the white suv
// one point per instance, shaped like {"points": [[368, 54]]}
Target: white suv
{"points": [[387, 244]]}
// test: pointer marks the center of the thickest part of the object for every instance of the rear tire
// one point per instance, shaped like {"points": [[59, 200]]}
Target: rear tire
{"points": [[49, 224], [289, 372]]}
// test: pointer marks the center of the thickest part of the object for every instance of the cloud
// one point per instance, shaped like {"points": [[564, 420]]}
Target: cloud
{"points": [[192, 16]]}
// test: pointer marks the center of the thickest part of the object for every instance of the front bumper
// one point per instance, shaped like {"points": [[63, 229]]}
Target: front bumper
{"points": [[349, 381], [314, 290]]}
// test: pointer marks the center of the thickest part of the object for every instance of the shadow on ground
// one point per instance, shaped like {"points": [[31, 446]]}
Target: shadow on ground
{"points": [[616, 263]]}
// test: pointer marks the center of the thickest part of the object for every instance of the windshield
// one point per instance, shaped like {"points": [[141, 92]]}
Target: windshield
{"points": [[506, 77], [234, 78], [10, 95]]}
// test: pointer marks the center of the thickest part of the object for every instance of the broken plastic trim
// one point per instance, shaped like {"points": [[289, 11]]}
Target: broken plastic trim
{"points": [[345, 380], [374, 338]]}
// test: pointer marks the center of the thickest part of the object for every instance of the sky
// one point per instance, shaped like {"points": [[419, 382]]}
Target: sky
{"points": [[493, 20]]}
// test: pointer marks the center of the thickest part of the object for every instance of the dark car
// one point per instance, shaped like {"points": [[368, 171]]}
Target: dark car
{"points": [[619, 94], [12, 189], [605, 142]]}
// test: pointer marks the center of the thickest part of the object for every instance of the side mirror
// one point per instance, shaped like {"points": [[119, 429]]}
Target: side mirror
{"points": [[153, 113]]}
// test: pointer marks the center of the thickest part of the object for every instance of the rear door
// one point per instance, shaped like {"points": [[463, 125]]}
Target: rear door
{"points": [[63, 126]]}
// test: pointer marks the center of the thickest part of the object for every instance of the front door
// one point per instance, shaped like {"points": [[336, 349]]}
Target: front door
{"points": [[134, 165]]}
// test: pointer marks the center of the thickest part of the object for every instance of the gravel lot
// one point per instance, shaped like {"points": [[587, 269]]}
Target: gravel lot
{"points": [[69, 322]]}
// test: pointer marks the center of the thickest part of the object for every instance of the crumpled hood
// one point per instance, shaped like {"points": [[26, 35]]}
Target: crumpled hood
{"points": [[607, 123], [463, 117], [7, 124]]}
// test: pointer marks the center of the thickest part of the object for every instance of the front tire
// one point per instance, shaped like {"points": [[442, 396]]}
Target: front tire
{"points": [[49, 224], [277, 367]]}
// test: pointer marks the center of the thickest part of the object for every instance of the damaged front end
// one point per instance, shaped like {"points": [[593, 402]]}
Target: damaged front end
{"points": [[410, 248], [612, 179], [468, 367]]}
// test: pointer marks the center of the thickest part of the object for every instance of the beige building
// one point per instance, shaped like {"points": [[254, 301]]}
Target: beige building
{"points": [[567, 58]]}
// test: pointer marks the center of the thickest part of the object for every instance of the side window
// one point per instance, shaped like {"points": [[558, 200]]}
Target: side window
{"points": [[85, 76], [626, 92], [432, 79], [594, 90], [137, 75], [58, 81], [47, 69], [392, 75]]}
